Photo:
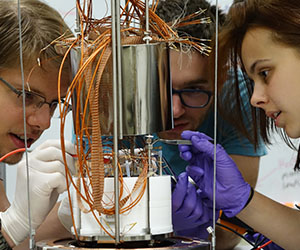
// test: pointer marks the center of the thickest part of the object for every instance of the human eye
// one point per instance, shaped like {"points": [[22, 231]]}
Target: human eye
{"points": [[193, 89], [27, 94], [30, 98], [264, 74], [199, 86]]}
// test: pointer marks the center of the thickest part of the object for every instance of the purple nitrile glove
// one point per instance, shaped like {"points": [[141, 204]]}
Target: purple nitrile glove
{"points": [[258, 238], [232, 192], [187, 208], [189, 214], [199, 232]]}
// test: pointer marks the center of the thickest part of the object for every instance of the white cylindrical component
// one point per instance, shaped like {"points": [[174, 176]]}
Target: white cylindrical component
{"points": [[160, 205], [76, 211], [134, 221]]}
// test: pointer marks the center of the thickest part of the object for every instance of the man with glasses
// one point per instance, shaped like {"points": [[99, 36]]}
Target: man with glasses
{"points": [[193, 110], [34, 101], [28, 98]]}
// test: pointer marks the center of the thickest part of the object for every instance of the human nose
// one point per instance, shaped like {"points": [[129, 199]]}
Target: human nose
{"points": [[259, 97], [178, 109], [40, 118]]}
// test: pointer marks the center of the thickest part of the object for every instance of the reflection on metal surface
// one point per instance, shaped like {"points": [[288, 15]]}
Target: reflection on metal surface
{"points": [[146, 90], [173, 243], [147, 104]]}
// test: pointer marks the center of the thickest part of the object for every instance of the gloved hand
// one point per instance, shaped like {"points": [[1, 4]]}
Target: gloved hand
{"points": [[259, 239], [199, 232], [188, 210], [46, 182], [232, 192]]}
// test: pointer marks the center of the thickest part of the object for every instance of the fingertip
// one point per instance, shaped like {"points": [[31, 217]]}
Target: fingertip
{"points": [[186, 134], [194, 170], [186, 155], [183, 177], [62, 189], [183, 147]]}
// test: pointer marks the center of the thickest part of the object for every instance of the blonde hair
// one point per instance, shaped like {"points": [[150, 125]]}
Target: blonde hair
{"points": [[40, 25]]}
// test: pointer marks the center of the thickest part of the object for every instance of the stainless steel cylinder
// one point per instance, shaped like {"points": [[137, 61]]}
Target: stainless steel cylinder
{"points": [[147, 106], [146, 98]]}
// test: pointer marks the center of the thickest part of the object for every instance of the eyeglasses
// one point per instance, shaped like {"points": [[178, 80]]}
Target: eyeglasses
{"points": [[33, 101], [193, 98]]}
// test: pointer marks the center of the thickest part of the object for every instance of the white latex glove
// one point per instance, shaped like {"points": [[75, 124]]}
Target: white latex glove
{"points": [[46, 182]]}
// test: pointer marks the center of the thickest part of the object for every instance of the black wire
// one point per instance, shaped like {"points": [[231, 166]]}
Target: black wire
{"points": [[257, 244], [256, 241], [296, 205], [237, 233]]}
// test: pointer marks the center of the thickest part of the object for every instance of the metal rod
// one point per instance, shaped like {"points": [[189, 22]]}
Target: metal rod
{"points": [[119, 68], [160, 162], [149, 149], [147, 37], [115, 4], [213, 238], [31, 230], [77, 21], [3, 174]]}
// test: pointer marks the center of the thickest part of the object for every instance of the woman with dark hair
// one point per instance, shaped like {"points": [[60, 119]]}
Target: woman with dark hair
{"points": [[262, 37]]}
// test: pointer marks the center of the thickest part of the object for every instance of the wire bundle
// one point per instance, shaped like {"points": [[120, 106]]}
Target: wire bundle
{"points": [[91, 95]]}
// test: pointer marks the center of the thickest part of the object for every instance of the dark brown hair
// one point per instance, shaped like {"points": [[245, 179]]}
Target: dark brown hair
{"points": [[282, 17], [172, 10]]}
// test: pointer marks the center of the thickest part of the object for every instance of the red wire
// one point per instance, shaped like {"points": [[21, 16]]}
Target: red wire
{"points": [[262, 246], [11, 153]]}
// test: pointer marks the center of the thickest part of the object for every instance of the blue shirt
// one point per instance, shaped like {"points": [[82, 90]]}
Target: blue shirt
{"points": [[231, 140]]}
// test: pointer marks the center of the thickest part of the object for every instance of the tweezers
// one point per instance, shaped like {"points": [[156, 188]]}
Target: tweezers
{"points": [[177, 142]]}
